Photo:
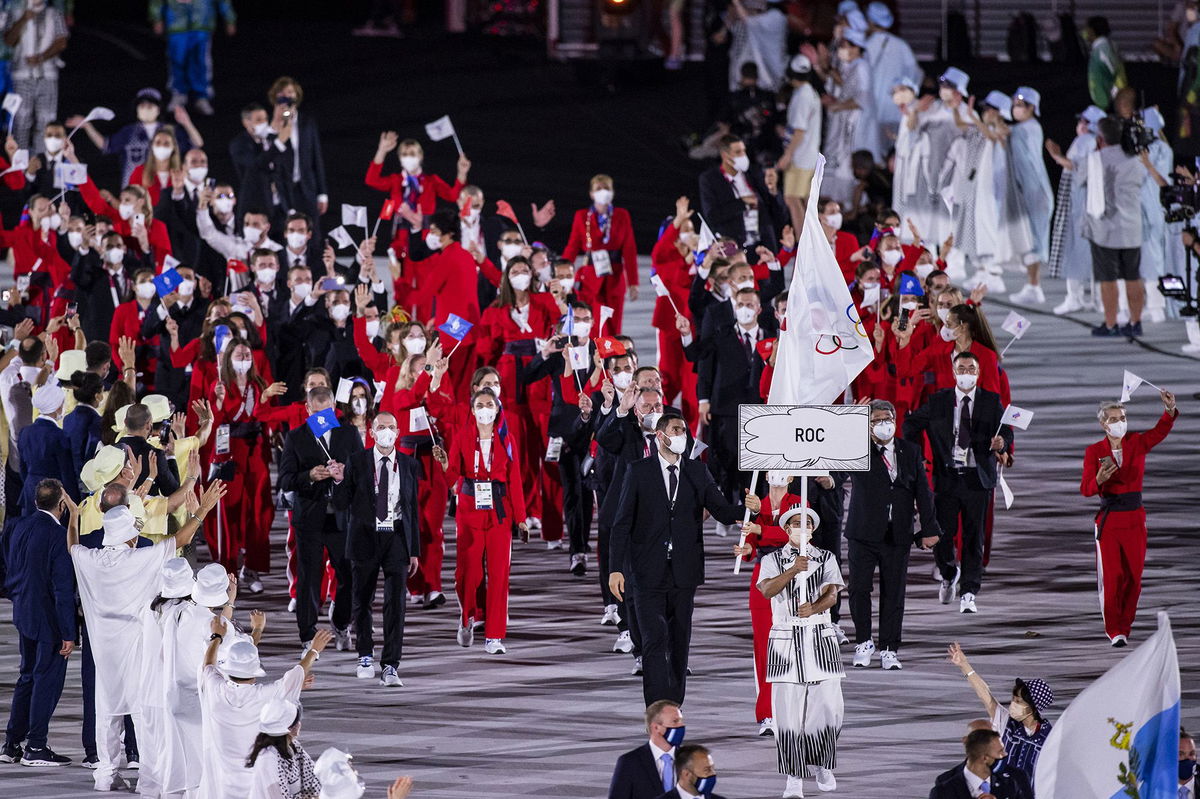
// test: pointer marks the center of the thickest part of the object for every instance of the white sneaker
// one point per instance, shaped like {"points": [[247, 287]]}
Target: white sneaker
{"points": [[862, 654], [1070, 304], [366, 668], [611, 616], [841, 635], [1120, 641], [624, 643], [949, 588], [766, 727], [494, 646], [825, 779], [390, 678], [252, 581], [466, 635], [578, 564], [889, 660], [1030, 295], [794, 788], [967, 603], [552, 545], [341, 639], [292, 605], [637, 667], [534, 523]]}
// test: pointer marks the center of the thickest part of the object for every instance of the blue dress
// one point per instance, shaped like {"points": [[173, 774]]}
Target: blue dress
{"points": [[1028, 166]]}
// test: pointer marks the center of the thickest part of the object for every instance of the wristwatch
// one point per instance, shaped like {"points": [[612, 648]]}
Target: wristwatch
{"points": [[429, 368], [216, 637]]}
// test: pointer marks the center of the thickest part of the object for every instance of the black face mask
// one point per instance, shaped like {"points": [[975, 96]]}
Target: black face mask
{"points": [[1187, 769]]}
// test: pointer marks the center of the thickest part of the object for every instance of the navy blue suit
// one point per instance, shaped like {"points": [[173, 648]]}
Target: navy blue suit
{"points": [[636, 776], [44, 453], [41, 583], [82, 429]]}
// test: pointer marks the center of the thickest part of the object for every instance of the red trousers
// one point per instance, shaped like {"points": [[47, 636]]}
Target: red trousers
{"points": [[608, 290], [1120, 556], [244, 517], [484, 542], [760, 623], [432, 497], [678, 376]]}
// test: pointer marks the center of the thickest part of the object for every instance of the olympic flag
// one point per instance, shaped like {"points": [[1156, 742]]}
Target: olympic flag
{"points": [[822, 346]]}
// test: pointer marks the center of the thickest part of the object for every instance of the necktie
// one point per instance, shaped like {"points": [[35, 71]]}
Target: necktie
{"points": [[964, 424], [748, 346], [1183, 792], [649, 444], [887, 463], [673, 481], [668, 771], [984, 787], [381, 493]]}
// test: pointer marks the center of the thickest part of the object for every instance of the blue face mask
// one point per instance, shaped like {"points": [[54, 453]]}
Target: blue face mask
{"points": [[674, 735], [1186, 769], [706, 785]]}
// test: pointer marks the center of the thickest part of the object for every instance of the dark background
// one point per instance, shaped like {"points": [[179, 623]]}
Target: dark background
{"points": [[534, 129]]}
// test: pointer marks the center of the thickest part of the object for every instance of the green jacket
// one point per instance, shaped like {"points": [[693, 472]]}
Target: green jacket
{"points": [[179, 16], [1106, 72]]}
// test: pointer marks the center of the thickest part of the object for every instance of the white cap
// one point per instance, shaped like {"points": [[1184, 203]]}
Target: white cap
{"points": [[159, 407], [277, 716], [69, 363], [241, 661], [800, 64], [118, 526], [856, 37], [796, 510], [48, 399], [177, 579], [211, 589], [338, 778], [1001, 102]]}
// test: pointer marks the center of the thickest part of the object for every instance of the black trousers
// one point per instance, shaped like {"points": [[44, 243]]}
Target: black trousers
{"points": [[311, 546], [577, 501], [829, 538], [392, 559], [961, 498], [891, 559], [39, 685], [664, 616]]}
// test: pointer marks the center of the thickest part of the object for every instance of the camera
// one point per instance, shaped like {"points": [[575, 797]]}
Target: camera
{"points": [[1179, 200], [1136, 138]]}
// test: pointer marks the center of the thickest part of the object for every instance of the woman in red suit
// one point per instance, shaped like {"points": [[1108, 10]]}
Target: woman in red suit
{"points": [[482, 466], [964, 330], [763, 536], [605, 235], [134, 219], [162, 160], [127, 323], [243, 519], [673, 260]]}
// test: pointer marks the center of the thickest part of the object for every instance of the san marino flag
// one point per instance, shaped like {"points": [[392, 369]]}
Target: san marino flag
{"points": [[1120, 737]]}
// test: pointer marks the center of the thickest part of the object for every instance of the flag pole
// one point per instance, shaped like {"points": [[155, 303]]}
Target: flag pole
{"points": [[458, 145], [737, 559], [375, 229], [1006, 346], [454, 349]]}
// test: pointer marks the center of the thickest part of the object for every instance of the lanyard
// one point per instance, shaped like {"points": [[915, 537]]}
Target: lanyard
{"points": [[603, 222], [247, 402], [487, 463]]}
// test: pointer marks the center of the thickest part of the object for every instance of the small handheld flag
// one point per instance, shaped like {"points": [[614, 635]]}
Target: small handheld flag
{"points": [[355, 215], [705, 238], [504, 209], [871, 296], [579, 357], [12, 102], [341, 237], [322, 422], [98, 113], [910, 284], [167, 282], [20, 162], [606, 313], [171, 262], [609, 346], [1017, 417], [442, 128], [660, 288], [70, 174], [1131, 383], [221, 336], [234, 265], [456, 327], [342, 394], [1015, 324]]}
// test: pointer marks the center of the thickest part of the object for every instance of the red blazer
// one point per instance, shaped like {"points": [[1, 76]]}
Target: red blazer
{"points": [[127, 321], [620, 242], [160, 242], [431, 188], [1129, 474], [155, 188], [449, 276], [675, 271], [936, 358], [772, 534], [28, 247], [504, 469], [13, 180]]}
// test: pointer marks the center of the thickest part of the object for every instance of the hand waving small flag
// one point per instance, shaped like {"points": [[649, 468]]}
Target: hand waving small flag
{"points": [[322, 422], [910, 284], [455, 327]]}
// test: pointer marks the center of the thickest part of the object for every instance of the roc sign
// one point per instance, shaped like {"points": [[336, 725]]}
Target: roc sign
{"points": [[804, 438]]}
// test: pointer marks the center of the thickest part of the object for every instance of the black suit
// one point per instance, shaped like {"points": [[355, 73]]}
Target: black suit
{"points": [[180, 218], [167, 379], [674, 794], [304, 192], [167, 481], [264, 174], [659, 548], [636, 776], [372, 550], [95, 286], [293, 332], [961, 492], [879, 532], [723, 208], [318, 529], [1007, 783]]}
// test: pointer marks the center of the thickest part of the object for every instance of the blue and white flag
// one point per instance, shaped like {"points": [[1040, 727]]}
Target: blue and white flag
{"points": [[456, 327], [1121, 732], [322, 422]]}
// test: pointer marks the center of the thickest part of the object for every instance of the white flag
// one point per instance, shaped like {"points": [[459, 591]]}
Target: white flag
{"points": [[101, 113], [380, 385], [20, 162], [70, 174], [170, 262], [606, 313], [706, 238], [1129, 385], [871, 295], [418, 420], [354, 215], [1004, 489], [12, 102], [579, 357], [1017, 417], [342, 394], [440, 128], [1121, 730], [660, 288], [1015, 324], [341, 237], [823, 347]]}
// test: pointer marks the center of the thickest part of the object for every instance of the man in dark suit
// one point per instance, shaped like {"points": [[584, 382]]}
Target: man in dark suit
{"points": [[305, 470], [695, 774], [737, 201], [41, 585], [177, 210], [264, 162], [879, 530], [100, 284], [657, 539], [189, 310], [962, 425], [378, 487], [306, 173], [139, 426], [975, 777], [297, 314], [649, 770]]}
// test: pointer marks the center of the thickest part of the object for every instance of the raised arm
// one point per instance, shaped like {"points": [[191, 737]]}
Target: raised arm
{"points": [[959, 658]]}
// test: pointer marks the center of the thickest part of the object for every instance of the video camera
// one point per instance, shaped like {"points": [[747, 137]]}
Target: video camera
{"points": [[1180, 200], [1136, 138]]}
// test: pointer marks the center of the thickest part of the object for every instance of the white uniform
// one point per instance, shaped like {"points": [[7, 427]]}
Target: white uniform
{"points": [[231, 724], [276, 778]]}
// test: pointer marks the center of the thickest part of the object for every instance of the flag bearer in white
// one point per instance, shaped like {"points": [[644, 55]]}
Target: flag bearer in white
{"points": [[804, 666]]}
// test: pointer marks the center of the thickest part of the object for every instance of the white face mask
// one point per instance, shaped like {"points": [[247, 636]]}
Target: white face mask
{"points": [[947, 333], [251, 233], [521, 281], [266, 275], [867, 286], [339, 312], [834, 221], [115, 256], [384, 436], [1117, 429], [650, 420], [161, 152], [410, 163], [677, 444], [472, 216], [433, 241], [53, 144], [197, 174], [187, 288], [297, 241], [909, 306], [965, 382], [241, 367], [510, 250], [741, 163], [690, 239], [51, 222], [302, 290], [261, 129], [581, 329], [125, 210], [359, 406], [224, 205], [884, 431], [744, 284], [145, 290], [745, 314], [923, 270], [485, 415], [415, 346], [892, 257], [943, 314], [567, 284], [622, 380], [778, 479], [602, 196], [372, 328], [494, 389], [75, 238], [543, 274]]}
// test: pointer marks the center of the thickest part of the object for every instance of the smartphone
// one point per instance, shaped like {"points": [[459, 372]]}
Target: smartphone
{"points": [[333, 283], [72, 309], [139, 219], [902, 324], [1107, 461]]}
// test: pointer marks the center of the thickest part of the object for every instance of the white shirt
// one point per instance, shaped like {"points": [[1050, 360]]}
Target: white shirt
{"points": [[393, 499], [663, 463], [889, 457], [753, 333], [974, 783], [1189, 786], [804, 115], [686, 794], [657, 754], [958, 401]]}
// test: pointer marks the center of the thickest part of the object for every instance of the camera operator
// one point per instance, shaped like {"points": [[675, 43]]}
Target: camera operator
{"points": [[1157, 158]]}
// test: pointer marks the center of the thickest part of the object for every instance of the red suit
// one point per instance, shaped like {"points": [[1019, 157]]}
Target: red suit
{"points": [[678, 376], [613, 233], [155, 189], [937, 357], [127, 322], [156, 231], [246, 513], [1121, 522], [449, 284], [484, 534]]}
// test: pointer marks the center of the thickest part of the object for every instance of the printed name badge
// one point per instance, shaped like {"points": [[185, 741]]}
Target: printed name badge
{"points": [[222, 446], [483, 495], [601, 262], [960, 456], [418, 420], [554, 449]]}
